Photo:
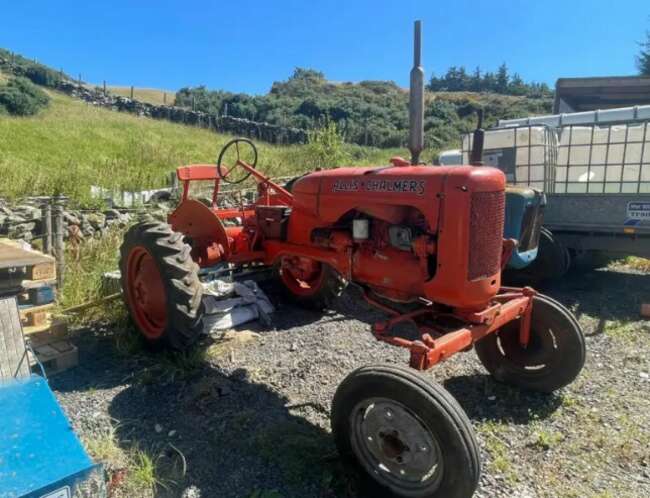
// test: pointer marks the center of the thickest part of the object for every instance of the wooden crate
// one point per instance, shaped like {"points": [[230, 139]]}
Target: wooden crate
{"points": [[35, 316], [56, 356], [50, 325]]}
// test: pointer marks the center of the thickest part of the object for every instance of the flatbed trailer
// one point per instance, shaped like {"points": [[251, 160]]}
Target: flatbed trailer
{"points": [[594, 168]]}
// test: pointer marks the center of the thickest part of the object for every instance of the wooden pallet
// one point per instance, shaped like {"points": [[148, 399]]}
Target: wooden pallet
{"points": [[22, 268], [12, 343], [50, 325], [56, 356], [34, 316]]}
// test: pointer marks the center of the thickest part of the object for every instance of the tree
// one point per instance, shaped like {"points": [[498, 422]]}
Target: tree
{"points": [[311, 75], [518, 87], [643, 59], [475, 80], [502, 79]]}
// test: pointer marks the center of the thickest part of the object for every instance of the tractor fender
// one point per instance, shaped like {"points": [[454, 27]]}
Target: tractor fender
{"points": [[209, 239]]}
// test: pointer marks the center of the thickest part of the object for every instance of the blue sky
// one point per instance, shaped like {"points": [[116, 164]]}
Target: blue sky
{"points": [[243, 45]]}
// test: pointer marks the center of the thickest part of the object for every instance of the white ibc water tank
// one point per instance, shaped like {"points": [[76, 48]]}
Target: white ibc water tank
{"points": [[524, 154], [607, 159], [619, 115], [451, 157]]}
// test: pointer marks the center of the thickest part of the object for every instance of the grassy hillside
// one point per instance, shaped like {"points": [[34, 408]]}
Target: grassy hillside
{"points": [[368, 112], [150, 95], [70, 146]]}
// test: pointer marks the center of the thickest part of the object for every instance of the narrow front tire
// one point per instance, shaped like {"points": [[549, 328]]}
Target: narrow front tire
{"points": [[408, 436]]}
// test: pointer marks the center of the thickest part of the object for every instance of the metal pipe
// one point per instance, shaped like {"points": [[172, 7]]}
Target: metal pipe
{"points": [[476, 155], [416, 98]]}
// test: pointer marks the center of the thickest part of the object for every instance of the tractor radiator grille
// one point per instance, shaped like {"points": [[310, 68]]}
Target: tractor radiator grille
{"points": [[486, 234]]}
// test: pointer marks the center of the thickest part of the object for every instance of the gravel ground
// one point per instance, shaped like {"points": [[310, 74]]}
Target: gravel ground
{"points": [[250, 418]]}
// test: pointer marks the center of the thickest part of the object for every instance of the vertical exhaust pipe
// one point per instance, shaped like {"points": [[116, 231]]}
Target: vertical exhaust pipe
{"points": [[416, 98], [476, 156]]}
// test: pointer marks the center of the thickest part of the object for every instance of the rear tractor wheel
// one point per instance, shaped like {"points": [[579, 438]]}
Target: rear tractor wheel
{"points": [[553, 357], [161, 285], [408, 436], [310, 283]]}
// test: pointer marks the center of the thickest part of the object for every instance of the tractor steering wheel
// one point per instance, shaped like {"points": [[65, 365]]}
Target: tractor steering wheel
{"points": [[242, 151]]}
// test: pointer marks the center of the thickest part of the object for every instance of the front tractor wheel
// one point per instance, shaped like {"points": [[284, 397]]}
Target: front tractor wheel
{"points": [[161, 286], [310, 283], [553, 358], [410, 437]]}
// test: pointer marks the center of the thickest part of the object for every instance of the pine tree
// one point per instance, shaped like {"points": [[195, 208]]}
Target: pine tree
{"points": [[643, 59], [516, 86], [502, 79], [463, 79], [475, 80], [434, 83]]}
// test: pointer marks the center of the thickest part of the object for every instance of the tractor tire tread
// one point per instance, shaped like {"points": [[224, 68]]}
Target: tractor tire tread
{"points": [[180, 278], [564, 371], [435, 395]]}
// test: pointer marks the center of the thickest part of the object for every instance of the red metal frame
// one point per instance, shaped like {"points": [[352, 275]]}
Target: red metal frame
{"points": [[480, 305], [436, 345]]}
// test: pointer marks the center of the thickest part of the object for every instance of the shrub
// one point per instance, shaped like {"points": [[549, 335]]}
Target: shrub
{"points": [[20, 97], [325, 148], [42, 75]]}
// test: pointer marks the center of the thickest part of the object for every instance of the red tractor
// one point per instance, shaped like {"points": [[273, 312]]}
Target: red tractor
{"points": [[424, 244]]}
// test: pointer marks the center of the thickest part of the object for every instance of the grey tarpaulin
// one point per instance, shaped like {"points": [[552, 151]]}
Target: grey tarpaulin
{"points": [[228, 304]]}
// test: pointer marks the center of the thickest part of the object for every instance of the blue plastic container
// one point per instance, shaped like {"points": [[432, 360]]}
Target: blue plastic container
{"points": [[40, 455]]}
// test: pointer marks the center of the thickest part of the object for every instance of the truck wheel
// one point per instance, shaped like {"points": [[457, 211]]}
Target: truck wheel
{"points": [[553, 259], [409, 436], [589, 260], [553, 358], [309, 283], [161, 285]]}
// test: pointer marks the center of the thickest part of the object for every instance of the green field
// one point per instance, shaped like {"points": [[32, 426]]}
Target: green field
{"points": [[149, 95], [72, 145]]}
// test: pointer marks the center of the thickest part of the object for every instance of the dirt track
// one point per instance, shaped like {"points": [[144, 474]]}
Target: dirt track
{"points": [[254, 418]]}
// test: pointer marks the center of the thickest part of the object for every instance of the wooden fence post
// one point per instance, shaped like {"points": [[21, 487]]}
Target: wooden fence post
{"points": [[79, 79], [173, 182], [46, 223], [104, 88], [131, 92], [164, 98], [59, 246]]}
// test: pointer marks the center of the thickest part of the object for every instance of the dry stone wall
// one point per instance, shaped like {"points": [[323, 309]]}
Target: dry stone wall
{"points": [[223, 124], [96, 96]]}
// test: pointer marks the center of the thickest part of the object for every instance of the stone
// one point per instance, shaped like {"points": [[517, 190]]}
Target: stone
{"points": [[70, 219], [96, 220]]}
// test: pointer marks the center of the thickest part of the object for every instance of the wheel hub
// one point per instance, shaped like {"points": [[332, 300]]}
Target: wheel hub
{"points": [[303, 276], [146, 293], [392, 443]]}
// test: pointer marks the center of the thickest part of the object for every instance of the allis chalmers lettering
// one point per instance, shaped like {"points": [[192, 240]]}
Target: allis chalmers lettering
{"points": [[404, 186]]}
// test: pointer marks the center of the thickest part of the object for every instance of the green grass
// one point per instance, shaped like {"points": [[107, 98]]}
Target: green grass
{"points": [[72, 145], [500, 460], [83, 277], [132, 470], [639, 264]]}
